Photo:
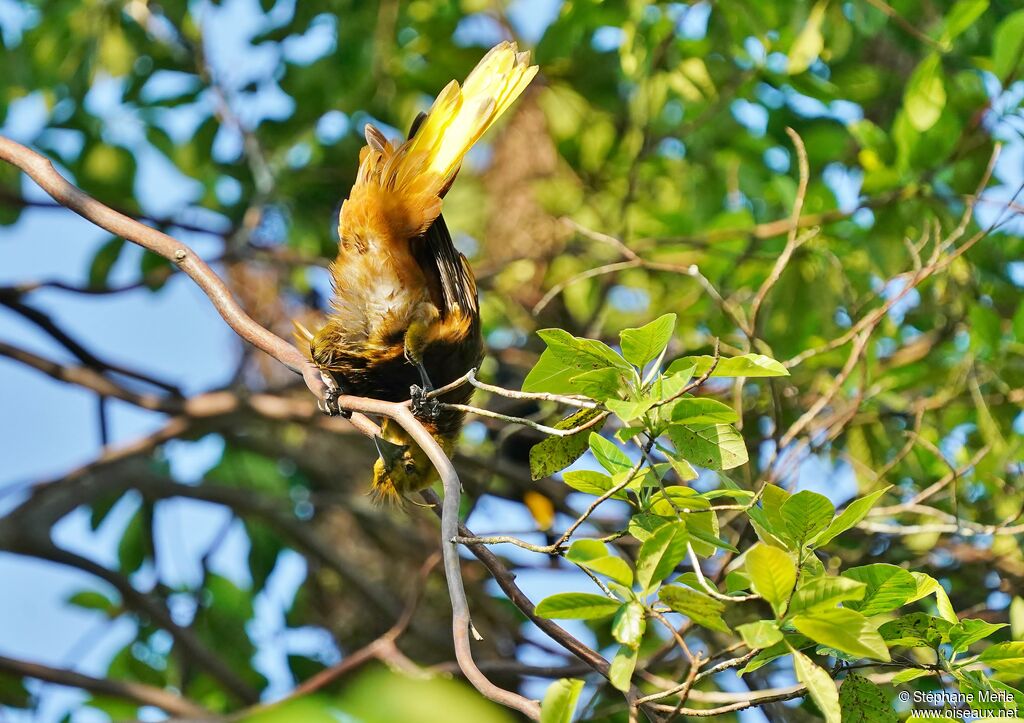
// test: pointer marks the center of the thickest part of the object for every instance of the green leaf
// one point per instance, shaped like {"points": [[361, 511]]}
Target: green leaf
{"points": [[609, 455], [926, 585], [155, 270], [888, 587], [861, 701], [1008, 45], [960, 17], [94, 600], [806, 514], [845, 630], [133, 549], [623, 664], [594, 555], [820, 686], [736, 494], [809, 42], [603, 385], [703, 528], [683, 469], [915, 630], [567, 357], [772, 574], [1017, 618], [556, 453], [560, 700], [577, 606], [925, 94], [643, 525], [715, 446], [849, 517], [103, 262], [969, 631], [823, 593], [592, 482], [13, 692], [660, 554], [772, 499], [629, 409], [551, 376], [760, 635], [701, 410], [1007, 658], [643, 345], [674, 500], [767, 519], [769, 654], [702, 609], [629, 624], [747, 365]]}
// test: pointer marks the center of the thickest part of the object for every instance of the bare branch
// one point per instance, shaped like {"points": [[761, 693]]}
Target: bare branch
{"points": [[793, 241], [136, 692]]}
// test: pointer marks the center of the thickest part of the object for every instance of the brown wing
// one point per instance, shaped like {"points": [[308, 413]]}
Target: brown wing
{"points": [[449, 277]]}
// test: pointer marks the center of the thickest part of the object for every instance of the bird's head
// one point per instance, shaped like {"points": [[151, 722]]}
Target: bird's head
{"points": [[402, 466]]}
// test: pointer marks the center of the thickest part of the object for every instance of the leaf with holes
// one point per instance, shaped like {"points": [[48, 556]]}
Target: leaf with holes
{"points": [[556, 453], [861, 701]]}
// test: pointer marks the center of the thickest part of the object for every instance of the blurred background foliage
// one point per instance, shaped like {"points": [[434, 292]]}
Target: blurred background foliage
{"points": [[662, 125]]}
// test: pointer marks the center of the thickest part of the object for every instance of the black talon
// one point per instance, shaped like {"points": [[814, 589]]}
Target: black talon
{"points": [[423, 406], [334, 391]]}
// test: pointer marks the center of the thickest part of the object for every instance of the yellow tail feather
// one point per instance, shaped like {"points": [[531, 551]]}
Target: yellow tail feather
{"points": [[405, 182]]}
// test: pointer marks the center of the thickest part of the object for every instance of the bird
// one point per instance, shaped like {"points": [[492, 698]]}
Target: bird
{"points": [[404, 317]]}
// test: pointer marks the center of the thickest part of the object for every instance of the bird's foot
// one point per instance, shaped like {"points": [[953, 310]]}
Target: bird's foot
{"points": [[424, 407], [329, 404]]}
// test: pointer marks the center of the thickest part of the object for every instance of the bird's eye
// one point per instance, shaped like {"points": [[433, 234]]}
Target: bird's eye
{"points": [[410, 467]]}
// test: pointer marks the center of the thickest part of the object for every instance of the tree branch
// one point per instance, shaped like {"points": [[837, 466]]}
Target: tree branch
{"points": [[40, 170], [135, 692]]}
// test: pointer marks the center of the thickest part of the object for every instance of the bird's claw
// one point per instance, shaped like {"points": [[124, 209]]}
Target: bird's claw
{"points": [[329, 405], [423, 406]]}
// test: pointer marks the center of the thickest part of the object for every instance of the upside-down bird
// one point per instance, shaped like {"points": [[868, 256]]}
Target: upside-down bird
{"points": [[404, 317]]}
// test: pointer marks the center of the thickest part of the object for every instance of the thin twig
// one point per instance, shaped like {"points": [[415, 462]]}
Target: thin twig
{"points": [[793, 241], [523, 421]]}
